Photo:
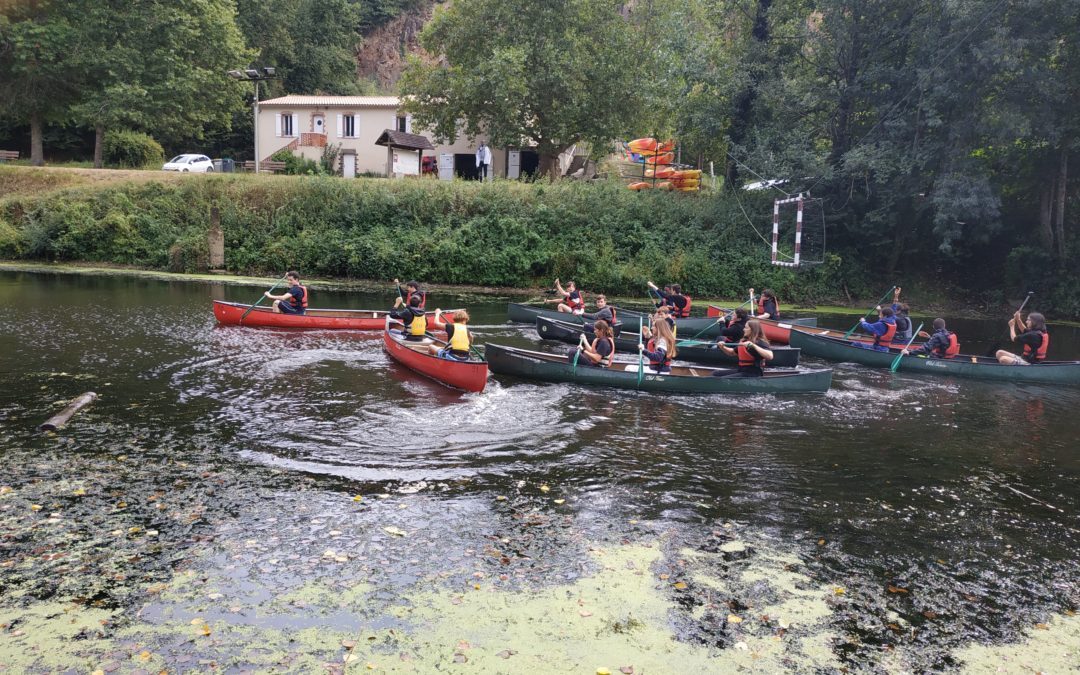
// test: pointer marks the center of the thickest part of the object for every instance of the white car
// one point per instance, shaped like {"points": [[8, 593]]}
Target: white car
{"points": [[192, 163]]}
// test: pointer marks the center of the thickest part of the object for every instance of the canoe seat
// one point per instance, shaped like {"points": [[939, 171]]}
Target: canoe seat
{"points": [[632, 368]]}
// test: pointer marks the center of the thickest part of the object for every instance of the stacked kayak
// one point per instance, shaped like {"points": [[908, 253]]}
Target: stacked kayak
{"points": [[697, 351], [625, 375], [977, 367], [232, 314], [468, 375]]}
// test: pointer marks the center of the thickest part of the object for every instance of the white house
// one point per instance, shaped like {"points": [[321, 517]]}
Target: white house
{"points": [[307, 124]]}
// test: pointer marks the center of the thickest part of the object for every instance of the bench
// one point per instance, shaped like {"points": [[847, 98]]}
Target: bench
{"points": [[266, 166], [8, 155]]}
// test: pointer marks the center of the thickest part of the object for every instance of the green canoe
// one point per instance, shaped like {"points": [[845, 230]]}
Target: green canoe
{"points": [[700, 327], [977, 367], [622, 374], [553, 329]]}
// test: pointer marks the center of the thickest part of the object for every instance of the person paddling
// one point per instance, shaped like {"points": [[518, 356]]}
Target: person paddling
{"points": [[768, 306], [292, 301], [735, 328], [660, 349], [458, 339], [572, 301], [412, 318], [753, 351], [1032, 334], [404, 299], [901, 312], [673, 297], [599, 352], [883, 330], [943, 344]]}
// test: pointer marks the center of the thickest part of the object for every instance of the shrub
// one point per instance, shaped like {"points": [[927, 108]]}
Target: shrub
{"points": [[296, 165], [131, 149]]}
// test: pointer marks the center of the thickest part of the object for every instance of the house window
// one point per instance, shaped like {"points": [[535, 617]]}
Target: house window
{"points": [[401, 123], [287, 125], [350, 126]]}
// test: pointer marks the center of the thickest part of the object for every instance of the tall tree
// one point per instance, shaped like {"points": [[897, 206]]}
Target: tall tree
{"points": [[37, 37], [551, 73]]}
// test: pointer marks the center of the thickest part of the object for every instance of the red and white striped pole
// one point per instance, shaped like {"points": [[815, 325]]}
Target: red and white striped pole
{"points": [[775, 227]]}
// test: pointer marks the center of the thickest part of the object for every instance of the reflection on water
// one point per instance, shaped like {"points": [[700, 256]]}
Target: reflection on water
{"points": [[894, 472]]}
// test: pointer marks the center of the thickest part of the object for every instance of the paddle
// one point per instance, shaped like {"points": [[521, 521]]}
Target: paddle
{"points": [[261, 298], [896, 361], [872, 309], [577, 353], [997, 345], [640, 354]]}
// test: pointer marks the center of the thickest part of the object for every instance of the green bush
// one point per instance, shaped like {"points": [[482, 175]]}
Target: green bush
{"points": [[502, 233], [297, 165], [131, 149]]}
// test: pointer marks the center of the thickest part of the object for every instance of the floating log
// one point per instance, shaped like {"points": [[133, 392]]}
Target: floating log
{"points": [[61, 418]]}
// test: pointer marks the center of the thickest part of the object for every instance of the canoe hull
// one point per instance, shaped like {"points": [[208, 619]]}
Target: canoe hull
{"points": [[776, 331], [230, 313], [552, 329], [465, 375], [699, 327], [984, 368], [538, 366]]}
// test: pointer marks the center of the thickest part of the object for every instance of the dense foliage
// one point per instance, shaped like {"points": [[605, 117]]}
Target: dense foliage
{"points": [[501, 234], [132, 149]]}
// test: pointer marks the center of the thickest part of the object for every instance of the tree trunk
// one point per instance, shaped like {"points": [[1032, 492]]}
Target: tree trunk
{"points": [[1059, 208], [99, 141], [549, 166], [1046, 216], [37, 151]]}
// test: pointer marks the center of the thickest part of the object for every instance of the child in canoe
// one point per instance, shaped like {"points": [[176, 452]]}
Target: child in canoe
{"points": [[292, 301], [599, 352], [1032, 334], [943, 344], [883, 330], [458, 339], [753, 351], [572, 302], [660, 349]]}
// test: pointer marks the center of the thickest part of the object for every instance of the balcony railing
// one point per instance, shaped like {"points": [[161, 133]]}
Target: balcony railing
{"points": [[312, 140]]}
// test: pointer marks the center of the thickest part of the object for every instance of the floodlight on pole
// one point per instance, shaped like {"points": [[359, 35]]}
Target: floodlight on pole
{"points": [[254, 75]]}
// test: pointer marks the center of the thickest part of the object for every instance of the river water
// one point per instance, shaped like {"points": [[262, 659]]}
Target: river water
{"points": [[268, 483]]}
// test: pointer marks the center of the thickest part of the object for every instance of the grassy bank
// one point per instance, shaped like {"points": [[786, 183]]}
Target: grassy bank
{"points": [[504, 234]]}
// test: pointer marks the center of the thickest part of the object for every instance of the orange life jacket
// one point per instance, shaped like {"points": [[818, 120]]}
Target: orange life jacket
{"points": [[954, 346], [890, 331], [1040, 353], [657, 365], [577, 305], [303, 299], [685, 311], [605, 361]]}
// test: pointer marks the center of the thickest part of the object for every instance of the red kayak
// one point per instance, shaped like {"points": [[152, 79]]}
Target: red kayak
{"points": [[468, 375], [229, 313]]}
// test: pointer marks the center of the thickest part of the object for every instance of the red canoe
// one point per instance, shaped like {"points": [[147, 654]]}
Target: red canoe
{"points": [[466, 375], [777, 332], [229, 313]]}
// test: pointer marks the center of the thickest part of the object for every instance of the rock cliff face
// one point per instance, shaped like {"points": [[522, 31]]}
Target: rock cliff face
{"points": [[381, 57]]}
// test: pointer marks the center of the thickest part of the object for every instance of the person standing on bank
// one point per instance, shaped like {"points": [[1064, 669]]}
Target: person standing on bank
{"points": [[483, 160], [292, 301]]}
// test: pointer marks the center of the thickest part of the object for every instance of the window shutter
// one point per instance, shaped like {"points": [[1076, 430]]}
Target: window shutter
{"points": [[277, 123], [408, 124], [340, 126], [356, 126], [295, 124]]}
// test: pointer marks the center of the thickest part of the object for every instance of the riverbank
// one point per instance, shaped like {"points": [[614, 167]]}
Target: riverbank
{"points": [[460, 291]]}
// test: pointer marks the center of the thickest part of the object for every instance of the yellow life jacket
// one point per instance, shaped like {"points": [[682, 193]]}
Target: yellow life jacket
{"points": [[418, 326], [459, 340]]}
